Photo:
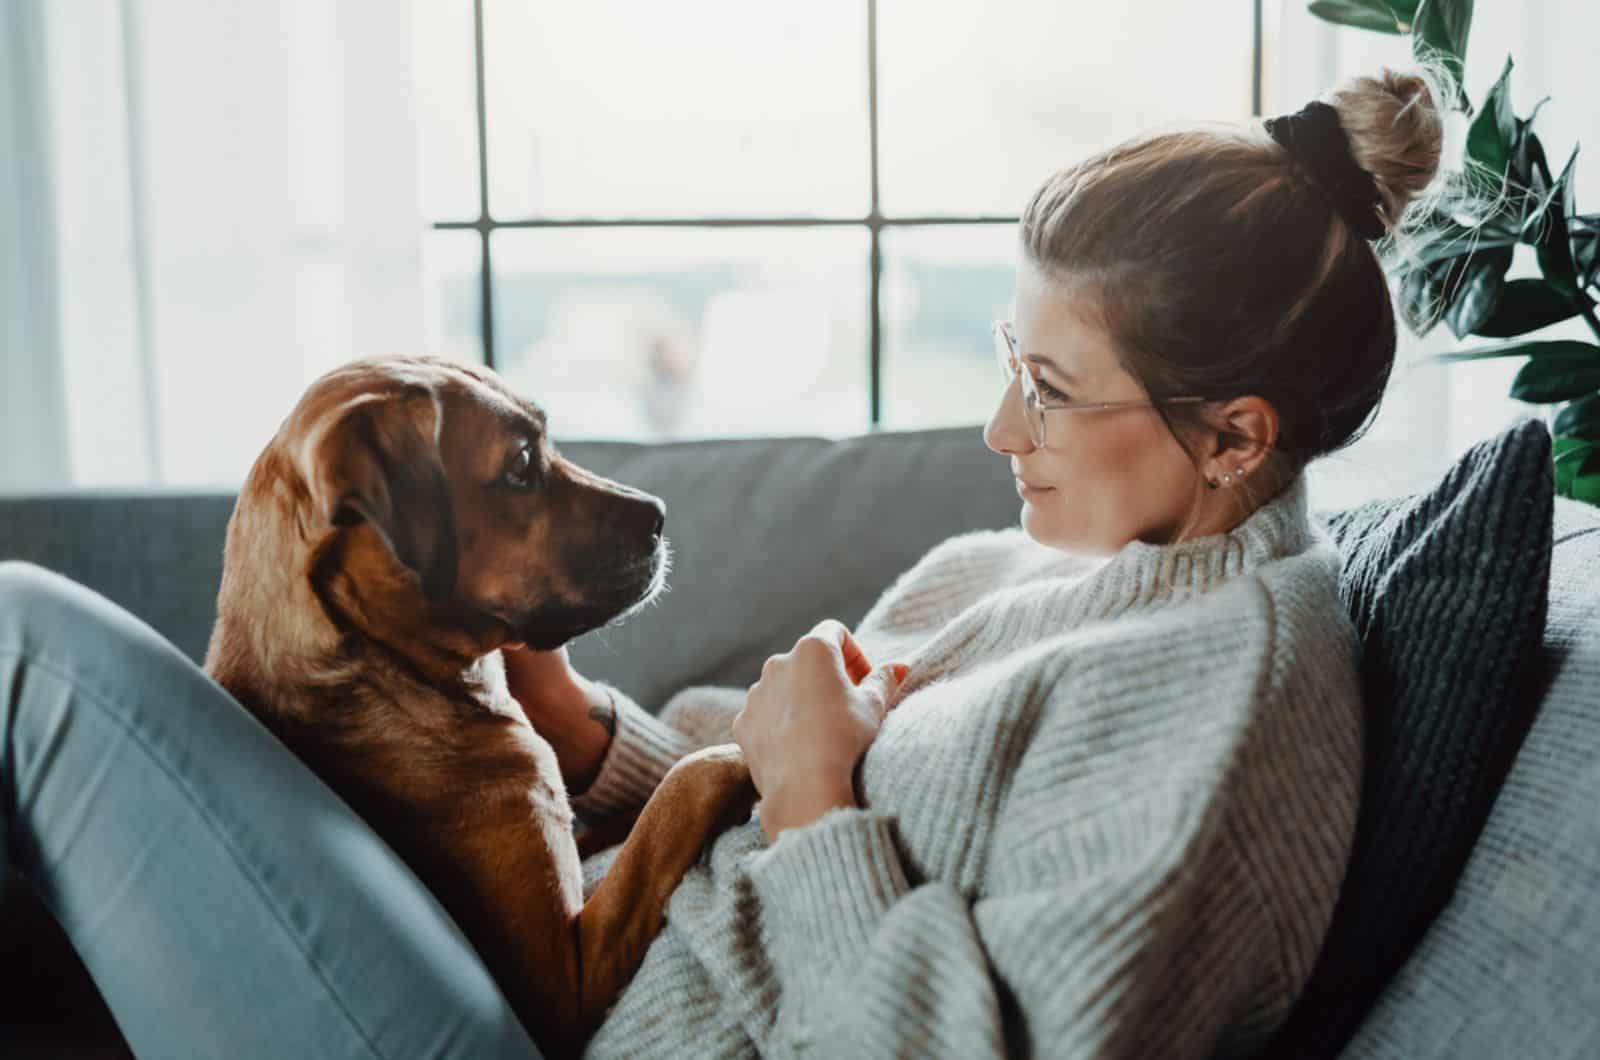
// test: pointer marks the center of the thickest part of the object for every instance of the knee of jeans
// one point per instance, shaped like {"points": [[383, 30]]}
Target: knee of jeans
{"points": [[20, 584], [30, 596]]}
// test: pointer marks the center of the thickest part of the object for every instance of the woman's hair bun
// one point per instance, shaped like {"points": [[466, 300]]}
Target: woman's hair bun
{"points": [[1395, 128]]}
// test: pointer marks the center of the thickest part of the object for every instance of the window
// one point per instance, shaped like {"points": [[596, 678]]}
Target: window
{"points": [[725, 217], [736, 217]]}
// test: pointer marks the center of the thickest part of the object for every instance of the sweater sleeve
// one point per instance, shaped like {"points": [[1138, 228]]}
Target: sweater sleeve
{"points": [[1132, 935], [644, 746]]}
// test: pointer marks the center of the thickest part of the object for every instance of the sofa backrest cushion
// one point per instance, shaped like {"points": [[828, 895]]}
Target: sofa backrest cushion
{"points": [[157, 554], [1508, 969], [1447, 588], [771, 536]]}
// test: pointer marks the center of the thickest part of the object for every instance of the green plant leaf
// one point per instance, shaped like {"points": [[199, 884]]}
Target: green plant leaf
{"points": [[1419, 300], [1548, 199], [1420, 305], [1528, 186], [1376, 15], [1423, 292], [1584, 234], [1585, 485], [1545, 380], [1554, 249], [1579, 419], [1526, 305], [1572, 451], [1463, 244], [1577, 468], [1494, 131], [1586, 489], [1573, 457], [1472, 298], [1441, 27], [1539, 179], [1551, 349], [1452, 240], [1536, 208], [1461, 290], [1524, 145]]}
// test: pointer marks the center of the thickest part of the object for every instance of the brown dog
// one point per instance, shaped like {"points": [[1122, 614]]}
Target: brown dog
{"points": [[409, 518]]}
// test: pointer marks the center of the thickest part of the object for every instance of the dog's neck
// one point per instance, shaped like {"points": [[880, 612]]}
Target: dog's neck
{"points": [[298, 619], [376, 605]]}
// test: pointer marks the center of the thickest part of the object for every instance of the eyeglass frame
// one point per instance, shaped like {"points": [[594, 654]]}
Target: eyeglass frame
{"points": [[1013, 366]]}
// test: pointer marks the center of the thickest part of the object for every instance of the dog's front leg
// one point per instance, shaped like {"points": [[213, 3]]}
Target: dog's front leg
{"points": [[518, 892], [561, 961], [701, 795]]}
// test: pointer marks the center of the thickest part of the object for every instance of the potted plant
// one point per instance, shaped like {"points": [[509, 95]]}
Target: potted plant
{"points": [[1456, 269]]}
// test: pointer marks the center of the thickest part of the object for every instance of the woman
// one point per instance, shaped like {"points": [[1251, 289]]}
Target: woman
{"points": [[1108, 809], [1083, 788]]}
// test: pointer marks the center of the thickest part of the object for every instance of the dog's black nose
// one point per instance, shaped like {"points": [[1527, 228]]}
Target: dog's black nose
{"points": [[645, 515]]}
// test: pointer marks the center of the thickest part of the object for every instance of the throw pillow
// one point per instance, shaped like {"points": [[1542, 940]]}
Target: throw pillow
{"points": [[1448, 591], [1508, 969]]}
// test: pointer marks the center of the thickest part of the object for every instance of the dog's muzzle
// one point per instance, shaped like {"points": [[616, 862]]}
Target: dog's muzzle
{"points": [[611, 596]]}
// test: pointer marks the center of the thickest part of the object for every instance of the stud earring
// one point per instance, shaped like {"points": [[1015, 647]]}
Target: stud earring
{"points": [[1227, 480]]}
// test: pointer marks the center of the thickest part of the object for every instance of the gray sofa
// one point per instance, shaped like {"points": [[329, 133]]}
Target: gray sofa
{"points": [[771, 535]]}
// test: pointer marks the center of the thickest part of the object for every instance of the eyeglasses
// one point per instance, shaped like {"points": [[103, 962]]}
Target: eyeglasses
{"points": [[1034, 406]]}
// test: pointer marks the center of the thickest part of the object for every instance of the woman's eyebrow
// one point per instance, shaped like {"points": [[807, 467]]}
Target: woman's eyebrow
{"points": [[1041, 359]]}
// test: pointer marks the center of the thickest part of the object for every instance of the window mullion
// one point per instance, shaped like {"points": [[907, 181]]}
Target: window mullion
{"points": [[484, 225], [875, 230]]}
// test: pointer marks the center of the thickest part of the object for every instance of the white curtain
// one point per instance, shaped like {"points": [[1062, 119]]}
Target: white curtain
{"points": [[205, 205], [1432, 413], [32, 440]]}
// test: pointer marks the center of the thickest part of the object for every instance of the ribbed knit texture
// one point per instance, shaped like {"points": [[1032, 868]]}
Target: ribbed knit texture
{"points": [[1508, 969], [1448, 590], [1107, 816]]}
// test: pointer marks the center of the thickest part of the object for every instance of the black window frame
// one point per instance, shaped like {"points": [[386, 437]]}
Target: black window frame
{"points": [[875, 221]]}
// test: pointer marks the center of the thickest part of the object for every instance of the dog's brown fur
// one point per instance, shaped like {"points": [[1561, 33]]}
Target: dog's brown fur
{"points": [[377, 558]]}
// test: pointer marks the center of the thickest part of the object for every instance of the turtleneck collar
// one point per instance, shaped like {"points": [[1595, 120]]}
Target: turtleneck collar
{"points": [[1280, 527], [971, 613]]}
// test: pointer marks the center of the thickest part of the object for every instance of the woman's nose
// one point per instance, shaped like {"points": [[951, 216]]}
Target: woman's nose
{"points": [[1006, 432]]}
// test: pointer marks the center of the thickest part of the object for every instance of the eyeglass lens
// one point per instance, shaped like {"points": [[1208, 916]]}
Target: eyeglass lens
{"points": [[1011, 367]]}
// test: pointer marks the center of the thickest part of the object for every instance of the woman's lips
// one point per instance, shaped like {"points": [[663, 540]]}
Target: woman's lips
{"points": [[1029, 492]]}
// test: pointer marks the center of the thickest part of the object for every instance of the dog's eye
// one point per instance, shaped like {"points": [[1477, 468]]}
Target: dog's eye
{"points": [[519, 471]]}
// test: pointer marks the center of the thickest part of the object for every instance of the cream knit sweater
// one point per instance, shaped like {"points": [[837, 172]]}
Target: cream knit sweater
{"points": [[1107, 816]]}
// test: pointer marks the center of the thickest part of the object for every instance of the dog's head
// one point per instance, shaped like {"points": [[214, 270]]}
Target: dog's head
{"points": [[433, 505]]}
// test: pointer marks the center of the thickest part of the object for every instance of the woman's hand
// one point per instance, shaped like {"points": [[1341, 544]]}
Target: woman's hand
{"points": [[808, 721], [573, 713]]}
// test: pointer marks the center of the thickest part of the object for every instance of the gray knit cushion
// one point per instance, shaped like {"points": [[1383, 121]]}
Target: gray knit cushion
{"points": [[1448, 592], [1509, 968]]}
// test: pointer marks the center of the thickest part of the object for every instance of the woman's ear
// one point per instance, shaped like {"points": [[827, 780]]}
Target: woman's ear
{"points": [[1246, 430]]}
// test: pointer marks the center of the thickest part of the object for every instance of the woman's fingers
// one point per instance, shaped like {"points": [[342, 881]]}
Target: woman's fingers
{"points": [[834, 632], [856, 664], [881, 685]]}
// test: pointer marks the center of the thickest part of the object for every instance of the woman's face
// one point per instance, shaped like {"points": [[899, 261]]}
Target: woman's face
{"points": [[1104, 477]]}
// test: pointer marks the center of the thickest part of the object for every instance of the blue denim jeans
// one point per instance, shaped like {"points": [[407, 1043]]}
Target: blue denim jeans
{"points": [[227, 903]]}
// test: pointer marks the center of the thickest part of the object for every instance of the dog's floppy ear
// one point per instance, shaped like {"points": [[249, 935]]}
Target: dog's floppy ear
{"points": [[376, 459]]}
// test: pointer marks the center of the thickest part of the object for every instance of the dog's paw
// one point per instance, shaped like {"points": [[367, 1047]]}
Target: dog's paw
{"points": [[717, 773], [729, 754]]}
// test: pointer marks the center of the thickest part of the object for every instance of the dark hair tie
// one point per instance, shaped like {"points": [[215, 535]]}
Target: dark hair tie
{"points": [[1314, 138]]}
